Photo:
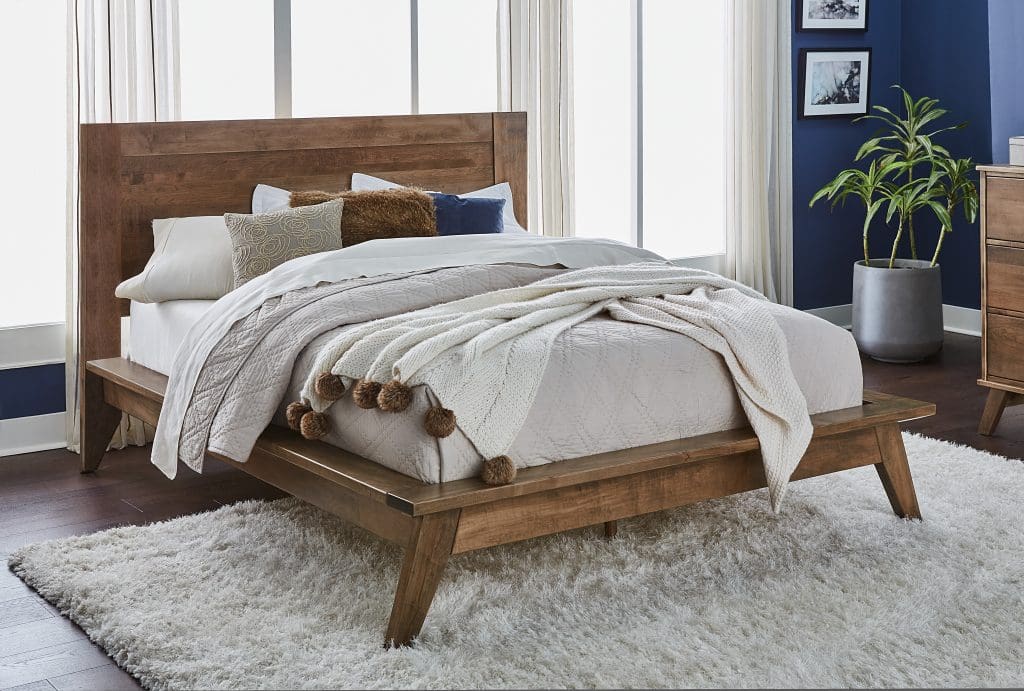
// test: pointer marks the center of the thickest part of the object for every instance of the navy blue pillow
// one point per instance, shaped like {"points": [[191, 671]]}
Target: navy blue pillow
{"points": [[467, 215]]}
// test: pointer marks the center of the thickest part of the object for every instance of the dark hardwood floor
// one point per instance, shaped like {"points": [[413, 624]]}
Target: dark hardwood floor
{"points": [[42, 496]]}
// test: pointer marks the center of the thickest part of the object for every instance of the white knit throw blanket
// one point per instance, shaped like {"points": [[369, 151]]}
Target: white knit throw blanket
{"points": [[483, 357]]}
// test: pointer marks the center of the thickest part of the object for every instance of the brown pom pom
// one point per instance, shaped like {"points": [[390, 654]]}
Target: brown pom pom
{"points": [[439, 422], [394, 397], [314, 425], [294, 412], [499, 470], [365, 393], [329, 387]]}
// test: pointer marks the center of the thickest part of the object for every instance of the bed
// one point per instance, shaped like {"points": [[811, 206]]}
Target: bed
{"points": [[824, 359], [424, 494]]}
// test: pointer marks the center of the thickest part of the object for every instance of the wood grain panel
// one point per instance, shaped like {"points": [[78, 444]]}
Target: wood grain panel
{"points": [[100, 243], [220, 136], [426, 555], [357, 509], [1004, 341], [242, 165], [1005, 278], [577, 506], [133, 403], [828, 428], [1004, 208], [510, 159], [894, 472]]}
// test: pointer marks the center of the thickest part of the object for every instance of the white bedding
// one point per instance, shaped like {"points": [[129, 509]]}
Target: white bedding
{"points": [[157, 329], [630, 405], [824, 363]]}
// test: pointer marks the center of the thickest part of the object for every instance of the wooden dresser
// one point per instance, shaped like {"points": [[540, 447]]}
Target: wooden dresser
{"points": [[1002, 290]]}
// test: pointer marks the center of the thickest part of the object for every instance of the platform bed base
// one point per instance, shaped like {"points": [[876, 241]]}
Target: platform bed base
{"points": [[434, 522]]}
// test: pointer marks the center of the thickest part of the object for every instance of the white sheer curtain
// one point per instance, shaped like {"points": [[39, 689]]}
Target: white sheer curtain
{"points": [[537, 77], [759, 199], [123, 67]]}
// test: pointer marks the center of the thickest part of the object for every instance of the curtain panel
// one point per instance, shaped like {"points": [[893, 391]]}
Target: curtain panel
{"points": [[759, 185], [123, 67], [536, 77]]}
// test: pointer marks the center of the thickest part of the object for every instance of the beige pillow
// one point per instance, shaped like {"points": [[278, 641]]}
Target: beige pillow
{"points": [[259, 242], [191, 261]]}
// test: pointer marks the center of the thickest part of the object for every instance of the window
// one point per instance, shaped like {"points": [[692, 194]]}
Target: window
{"points": [[34, 140], [351, 57], [226, 58], [650, 123], [603, 106], [458, 56], [338, 57]]}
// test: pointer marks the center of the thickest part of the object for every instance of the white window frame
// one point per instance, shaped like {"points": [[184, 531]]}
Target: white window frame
{"points": [[283, 58], [710, 262], [506, 65]]}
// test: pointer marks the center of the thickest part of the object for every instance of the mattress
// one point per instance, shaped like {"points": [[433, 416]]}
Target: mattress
{"points": [[155, 330], [591, 397]]}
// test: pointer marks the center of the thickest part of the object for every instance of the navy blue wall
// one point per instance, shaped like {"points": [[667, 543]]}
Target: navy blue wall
{"points": [[825, 245], [1006, 61], [945, 55], [938, 48], [31, 391]]}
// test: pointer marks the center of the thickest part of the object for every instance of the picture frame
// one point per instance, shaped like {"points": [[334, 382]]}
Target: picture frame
{"points": [[832, 15], [834, 82]]}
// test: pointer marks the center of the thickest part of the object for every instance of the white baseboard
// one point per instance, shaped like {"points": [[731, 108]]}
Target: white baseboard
{"points": [[961, 320], [33, 433], [31, 346]]}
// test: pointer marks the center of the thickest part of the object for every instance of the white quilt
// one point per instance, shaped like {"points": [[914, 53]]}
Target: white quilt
{"points": [[231, 372], [484, 356], [271, 299]]}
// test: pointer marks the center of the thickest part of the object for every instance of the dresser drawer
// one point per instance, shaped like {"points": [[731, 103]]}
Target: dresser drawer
{"points": [[1004, 343], [1004, 208], [1004, 278]]}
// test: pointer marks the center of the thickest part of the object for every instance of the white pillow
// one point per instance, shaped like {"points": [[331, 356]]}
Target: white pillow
{"points": [[502, 190], [266, 198], [191, 261]]}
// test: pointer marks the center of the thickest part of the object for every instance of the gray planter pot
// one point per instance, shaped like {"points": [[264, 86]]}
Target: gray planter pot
{"points": [[897, 313]]}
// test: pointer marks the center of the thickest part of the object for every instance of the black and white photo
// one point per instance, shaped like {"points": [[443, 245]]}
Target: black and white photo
{"points": [[834, 83], [832, 15]]}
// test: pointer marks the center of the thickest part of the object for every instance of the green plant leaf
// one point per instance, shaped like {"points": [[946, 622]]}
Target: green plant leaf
{"points": [[943, 215], [870, 214], [930, 116]]}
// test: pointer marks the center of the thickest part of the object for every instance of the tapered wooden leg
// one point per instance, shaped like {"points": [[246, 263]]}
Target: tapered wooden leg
{"points": [[995, 404], [611, 528], [97, 420], [894, 471], [425, 558]]}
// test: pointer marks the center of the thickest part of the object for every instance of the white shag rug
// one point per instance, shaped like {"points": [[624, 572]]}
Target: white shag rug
{"points": [[835, 591]]}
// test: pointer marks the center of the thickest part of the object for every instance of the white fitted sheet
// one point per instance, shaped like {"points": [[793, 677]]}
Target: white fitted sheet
{"points": [[157, 329]]}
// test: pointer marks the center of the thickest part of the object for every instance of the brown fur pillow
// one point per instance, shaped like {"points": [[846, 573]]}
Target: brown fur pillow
{"points": [[375, 214]]}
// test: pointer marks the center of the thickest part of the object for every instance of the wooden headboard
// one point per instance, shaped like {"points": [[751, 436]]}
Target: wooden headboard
{"points": [[133, 173]]}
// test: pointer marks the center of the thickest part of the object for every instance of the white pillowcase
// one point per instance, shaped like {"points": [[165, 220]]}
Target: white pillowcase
{"points": [[266, 198], [191, 261], [361, 181]]}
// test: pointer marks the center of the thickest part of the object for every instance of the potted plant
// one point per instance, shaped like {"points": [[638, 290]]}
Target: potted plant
{"points": [[897, 302]]}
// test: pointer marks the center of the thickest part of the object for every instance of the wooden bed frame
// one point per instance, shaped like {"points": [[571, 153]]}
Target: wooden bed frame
{"points": [[132, 173]]}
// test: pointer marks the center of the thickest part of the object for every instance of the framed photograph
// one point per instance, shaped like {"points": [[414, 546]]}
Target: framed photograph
{"points": [[834, 83], [832, 15]]}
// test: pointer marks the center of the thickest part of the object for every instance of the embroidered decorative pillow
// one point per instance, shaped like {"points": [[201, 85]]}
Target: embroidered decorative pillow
{"points": [[259, 242], [372, 215]]}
